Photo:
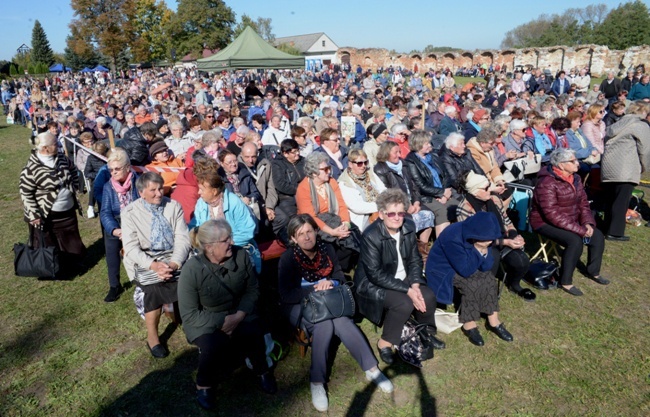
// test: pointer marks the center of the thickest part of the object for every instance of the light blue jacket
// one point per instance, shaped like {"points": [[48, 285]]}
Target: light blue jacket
{"points": [[238, 215]]}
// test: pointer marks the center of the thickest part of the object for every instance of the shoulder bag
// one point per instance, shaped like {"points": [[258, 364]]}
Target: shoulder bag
{"points": [[41, 262]]}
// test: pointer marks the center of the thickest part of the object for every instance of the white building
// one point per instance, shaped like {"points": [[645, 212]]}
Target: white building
{"points": [[318, 48]]}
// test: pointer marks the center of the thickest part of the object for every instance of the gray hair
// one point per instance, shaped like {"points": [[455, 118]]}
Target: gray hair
{"points": [[397, 128], [44, 140], [143, 180], [209, 233], [118, 155], [313, 161], [418, 139], [453, 139], [640, 108], [392, 196], [210, 137], [487, 134], [561, 155], [305, 120], [176, 125], [449, 110], [518, 124]]}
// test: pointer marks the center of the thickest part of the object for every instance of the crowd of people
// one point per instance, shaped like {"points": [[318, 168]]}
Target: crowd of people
{"points": [[397, 180]]}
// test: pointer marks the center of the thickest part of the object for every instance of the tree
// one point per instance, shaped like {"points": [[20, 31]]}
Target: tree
{"points": [[89, 58], [627, 25], [41, 51], [108, 24], [22, 59], [200, 24], [262, 26], [152, 20]]}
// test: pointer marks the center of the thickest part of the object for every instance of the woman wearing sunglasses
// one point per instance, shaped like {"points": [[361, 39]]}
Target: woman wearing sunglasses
{"points": [[360, 187], [389, 277]]}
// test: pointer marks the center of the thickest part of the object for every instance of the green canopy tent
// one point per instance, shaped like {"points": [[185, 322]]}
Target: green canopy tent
{"points": [[250, 51]]}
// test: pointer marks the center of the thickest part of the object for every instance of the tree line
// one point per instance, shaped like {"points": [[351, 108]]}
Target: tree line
{"points": [[620, 28]]}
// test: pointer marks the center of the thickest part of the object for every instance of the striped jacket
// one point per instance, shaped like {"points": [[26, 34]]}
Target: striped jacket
{"points": [[39, 185]]}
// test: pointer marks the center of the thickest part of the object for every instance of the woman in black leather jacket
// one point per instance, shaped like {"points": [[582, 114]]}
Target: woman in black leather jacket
{"points": [[455, 160], [389, 275], [393, 174], [429, 179]]}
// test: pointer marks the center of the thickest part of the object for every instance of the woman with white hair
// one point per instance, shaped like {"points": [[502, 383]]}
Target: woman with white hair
{"points": [[47, 187]]}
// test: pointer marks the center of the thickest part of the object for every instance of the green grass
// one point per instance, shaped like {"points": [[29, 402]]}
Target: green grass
{"points": [[64, 352]]}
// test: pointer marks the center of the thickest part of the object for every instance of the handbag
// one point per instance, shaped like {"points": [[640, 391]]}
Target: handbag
{"points": [[592, 159], [329, 304], [41, 262], [541, 275], [517, 169], [447, 321], [413, 347]]}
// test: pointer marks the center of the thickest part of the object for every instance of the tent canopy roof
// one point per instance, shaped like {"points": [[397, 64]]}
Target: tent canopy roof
{"points": [[249, 51]]}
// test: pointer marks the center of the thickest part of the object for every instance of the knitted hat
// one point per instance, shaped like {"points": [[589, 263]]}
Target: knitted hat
{"points": [[478, 114], [157, 147], [377, 129], [475, 182]]}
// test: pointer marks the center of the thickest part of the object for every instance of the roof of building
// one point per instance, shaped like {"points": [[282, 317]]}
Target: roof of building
{"points": [[300, 42]]}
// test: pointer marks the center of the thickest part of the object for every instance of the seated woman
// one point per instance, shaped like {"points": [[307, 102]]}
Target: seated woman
{"points": [[217, 297], [360, 188], [390, 170], [217, 202], [509, 247], [288, 170], [594, 127], [461, 258], [389, 275], [309, 264], [156, 244], [537, 133], [319, 196], [118, 193], [561, 212], [239, 180], [578, 141], [429, 178], [160, 158]]}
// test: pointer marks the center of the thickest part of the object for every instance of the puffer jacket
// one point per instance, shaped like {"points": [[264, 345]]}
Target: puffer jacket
{"points": [[287, 176], [627, 150], [135, 146], [378, 264], [454, 165], [186, 193], [560, 204], [423, 178], [453, 254]]}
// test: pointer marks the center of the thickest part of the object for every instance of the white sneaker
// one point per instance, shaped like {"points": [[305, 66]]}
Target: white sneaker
{"points": [[319, 397], [381, 380], [91, 212]]}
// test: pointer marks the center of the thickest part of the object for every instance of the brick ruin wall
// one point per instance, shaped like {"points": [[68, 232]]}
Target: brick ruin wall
{"points": [[599, 58]]}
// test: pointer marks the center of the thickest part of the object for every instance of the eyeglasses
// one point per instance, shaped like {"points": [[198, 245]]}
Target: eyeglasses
{"points": [[573, 161], [226, 240], [393, 214], [117, 169], [325, 169], [209, 117], [360, 163]]}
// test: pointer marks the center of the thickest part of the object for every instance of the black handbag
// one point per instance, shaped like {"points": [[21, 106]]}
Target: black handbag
{"points": [[329, 304], [42, 262], [542, 275], [415, 347]]}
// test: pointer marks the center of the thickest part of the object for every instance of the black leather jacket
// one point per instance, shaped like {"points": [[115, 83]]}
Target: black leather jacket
{"points": [[391, 179], [135, 146], [454, 165], [287, 176], [423, 178], [378, 264]]}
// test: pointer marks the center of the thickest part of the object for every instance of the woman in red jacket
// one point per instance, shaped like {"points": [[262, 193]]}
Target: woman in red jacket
{"points": [[561, 212]]}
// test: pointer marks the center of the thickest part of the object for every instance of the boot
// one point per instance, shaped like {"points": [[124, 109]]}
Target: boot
{"points": [[423, 248]]}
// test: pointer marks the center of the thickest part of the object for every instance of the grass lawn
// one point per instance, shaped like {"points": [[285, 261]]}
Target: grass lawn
{"points": [[64, 352]]}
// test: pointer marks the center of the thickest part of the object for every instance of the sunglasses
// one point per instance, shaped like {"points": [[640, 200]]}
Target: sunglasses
{"points": [[360, 163], [326, 169], [393, 214], [116, 169]]}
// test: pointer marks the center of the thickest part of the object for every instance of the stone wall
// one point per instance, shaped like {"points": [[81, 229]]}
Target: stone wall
{"points": [[597, 57]]}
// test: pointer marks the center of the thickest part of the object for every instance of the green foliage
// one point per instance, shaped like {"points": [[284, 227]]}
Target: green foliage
{"points": [[41, 51], [200, 24], [288, 48], [430, 48], [151, 25], [13, 70], [262, 26], [627, 25], [89, 58]]}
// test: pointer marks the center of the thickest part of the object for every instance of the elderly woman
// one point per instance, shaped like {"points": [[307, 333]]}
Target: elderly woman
{"points": [[360, 187], [119, 192], [461, 258], [161, 158], [330, 145], [308, 265], [516, 140], [307, 145], [389, 276], [627, 155], [217, 296], [392, 173], [156, 244], [509, 247], [578, 141], [47, 188], [561, 212], [456, 159], [594, 127], [208, 142], [238, 179], [176, 143], [378, 134], [429, 179], [319, 196], [288, 170], [537, 134]]}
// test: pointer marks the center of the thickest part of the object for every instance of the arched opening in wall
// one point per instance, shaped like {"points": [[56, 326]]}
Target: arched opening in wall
{"points": [[466, 60], [448, 60], [417, 59], [486, 58], [368, 62], [507, 60], [345, 57], [554, 59], [582, 57], [431, 61], [528, 58]]}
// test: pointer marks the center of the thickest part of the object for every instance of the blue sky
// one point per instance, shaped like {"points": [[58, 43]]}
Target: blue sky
{"points": [[390, 24]]}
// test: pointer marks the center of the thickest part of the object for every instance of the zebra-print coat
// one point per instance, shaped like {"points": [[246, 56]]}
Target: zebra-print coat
{"points": [[40, 185]]}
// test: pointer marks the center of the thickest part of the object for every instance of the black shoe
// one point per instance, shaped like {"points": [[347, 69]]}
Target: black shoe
{"points": [[618, 238], [500, 331], [113, 294], [474, 336], [386, 355], [158, 351], [432, 340], [525, 293], [573, 291], [268, 383], [206, 399]]}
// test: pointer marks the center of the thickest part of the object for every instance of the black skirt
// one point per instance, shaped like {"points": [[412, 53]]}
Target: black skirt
{"points": [[156, 295], [478, 295]]}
